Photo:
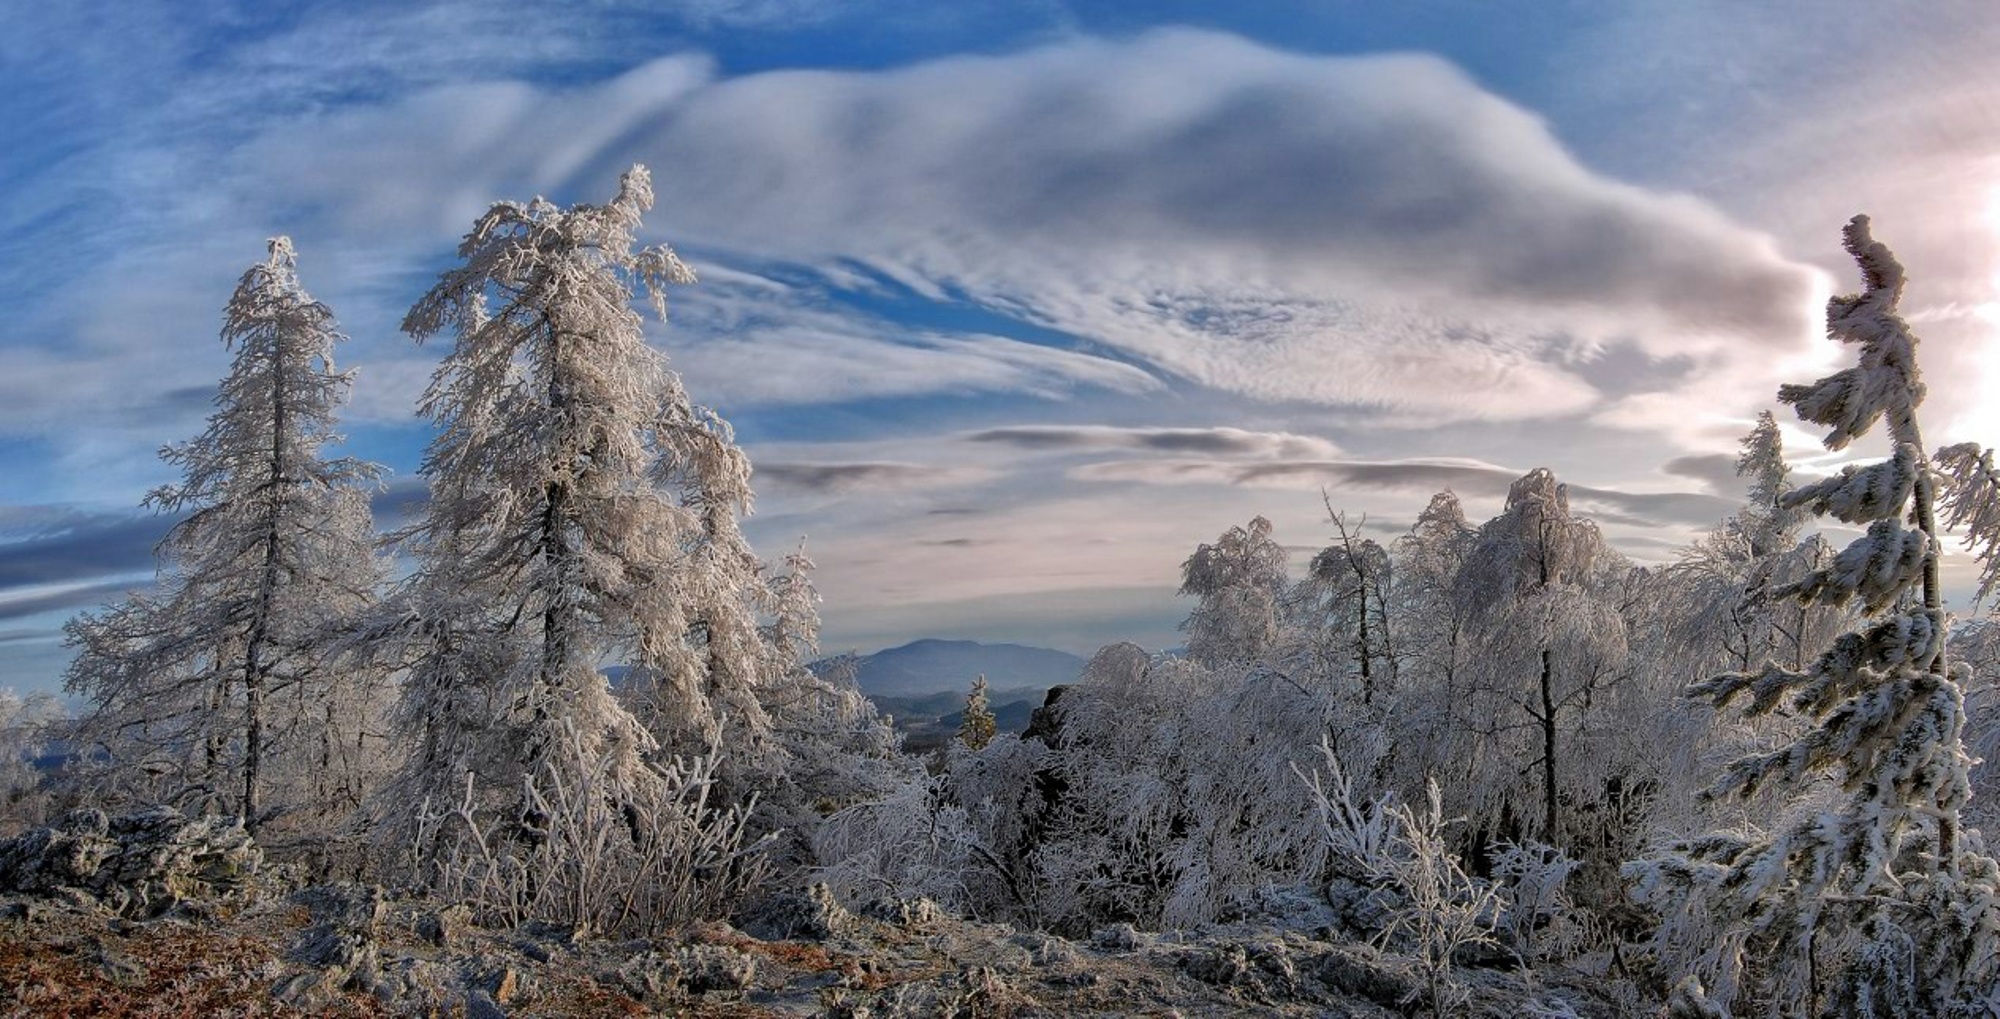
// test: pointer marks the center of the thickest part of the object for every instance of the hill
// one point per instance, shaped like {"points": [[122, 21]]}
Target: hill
{"points": [[938, 666]]}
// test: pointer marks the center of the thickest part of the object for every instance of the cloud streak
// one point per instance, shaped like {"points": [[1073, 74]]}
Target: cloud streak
{"points": [[1413, 476], [848, 478], [1206, 441]]}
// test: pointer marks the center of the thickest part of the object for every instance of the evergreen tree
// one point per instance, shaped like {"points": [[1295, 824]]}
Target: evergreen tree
{"points": [[222, 679], [834, 747], [582, 514], [978, 726], [1878, 906], [1723, 585]]}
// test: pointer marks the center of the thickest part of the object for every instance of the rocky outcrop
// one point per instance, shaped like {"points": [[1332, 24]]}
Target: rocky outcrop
{"points": [[139, 865]]}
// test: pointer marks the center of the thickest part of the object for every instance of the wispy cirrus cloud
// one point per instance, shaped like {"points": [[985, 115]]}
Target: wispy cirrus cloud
{"points": [[1415, 477], [1217, 441], [842, 478]]}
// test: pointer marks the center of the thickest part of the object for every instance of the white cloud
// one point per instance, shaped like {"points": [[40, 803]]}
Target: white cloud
{"points": [[1372, 232]]}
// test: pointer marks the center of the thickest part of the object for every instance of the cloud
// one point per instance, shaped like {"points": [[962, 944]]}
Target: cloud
{"points": [[1375, 232], [48, 545], [1233, 442], [845, 478], [792, 365], [1716, 470], [1416, 476], [21, 603]]}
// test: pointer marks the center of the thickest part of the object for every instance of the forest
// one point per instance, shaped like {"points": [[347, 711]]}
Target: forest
{"points": [[1508, 768]]}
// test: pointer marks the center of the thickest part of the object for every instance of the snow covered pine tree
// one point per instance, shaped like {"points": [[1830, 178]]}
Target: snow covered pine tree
{"points": [[220, 681], [1879, 906]]}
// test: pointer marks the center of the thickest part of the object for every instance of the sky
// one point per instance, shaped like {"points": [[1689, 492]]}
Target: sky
{"points": [[1013, 304]]}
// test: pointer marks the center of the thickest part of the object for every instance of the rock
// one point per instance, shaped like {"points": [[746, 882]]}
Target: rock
{"points": [[444, 925], [480, 1005], [706, 968], [1045, 723], [507, 985], [661, 980], [1347, 973], [24, 912], [915, 912], [339, 951], [652, 978], [346, 919], [811, 915], [1119, 937], [139, 864]]}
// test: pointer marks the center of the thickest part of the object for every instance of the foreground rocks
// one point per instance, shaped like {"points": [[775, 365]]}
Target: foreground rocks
{"points": [[159, 914], [348, 950], [137, 865]]}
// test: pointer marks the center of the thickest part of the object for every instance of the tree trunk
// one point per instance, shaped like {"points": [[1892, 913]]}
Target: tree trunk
{"points": [[1367, 678], [1548, 721]]}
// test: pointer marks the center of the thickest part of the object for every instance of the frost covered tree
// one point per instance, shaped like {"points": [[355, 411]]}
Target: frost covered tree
{"points": [[1723, 585], [1434, 639], [978, 726], [834, 748], [1534, 580], [1342, 607], [582, 514], [221, 680], [1876, 905], [1238, 582], [29, 728]]}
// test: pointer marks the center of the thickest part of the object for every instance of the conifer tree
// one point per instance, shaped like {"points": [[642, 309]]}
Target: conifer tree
{"points": [[1877, 906], [582, 515], [978, 727], [1728, 618], [221, 678]]}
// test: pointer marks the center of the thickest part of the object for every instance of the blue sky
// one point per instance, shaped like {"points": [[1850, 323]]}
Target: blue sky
{"points": [[1013, 303]]}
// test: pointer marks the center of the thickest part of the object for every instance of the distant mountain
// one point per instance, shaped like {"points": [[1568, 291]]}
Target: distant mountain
{"points": [[938, 666]]}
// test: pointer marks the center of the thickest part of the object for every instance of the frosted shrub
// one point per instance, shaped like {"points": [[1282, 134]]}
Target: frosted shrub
{"points": [[1167, 815], [1438, 909], [591, 855], [913, 843]]}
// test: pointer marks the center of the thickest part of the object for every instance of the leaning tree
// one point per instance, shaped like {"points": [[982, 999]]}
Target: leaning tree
{"points": [[1871, 901]]}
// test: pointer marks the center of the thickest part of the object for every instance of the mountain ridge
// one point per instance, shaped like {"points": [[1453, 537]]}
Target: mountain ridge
{"points": [[934, 665]]}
